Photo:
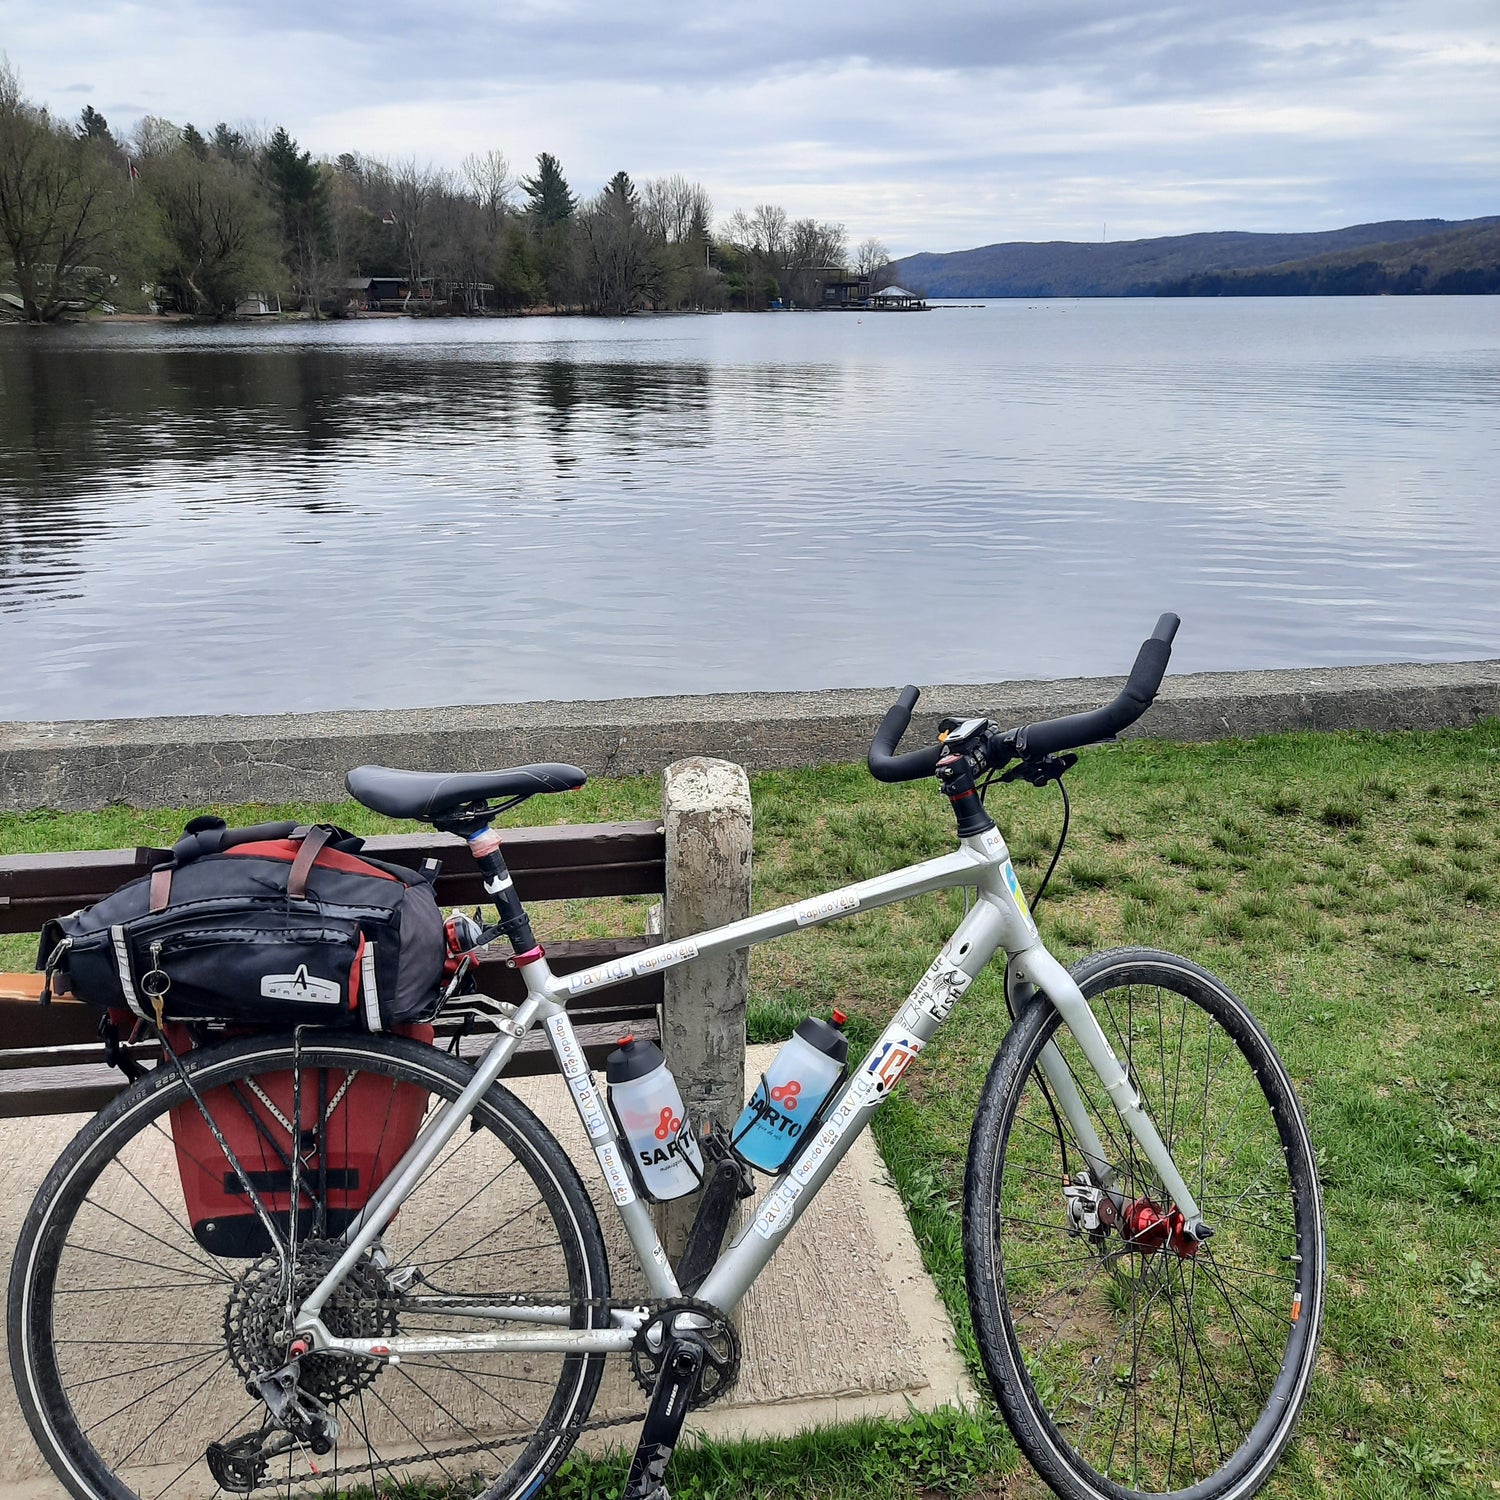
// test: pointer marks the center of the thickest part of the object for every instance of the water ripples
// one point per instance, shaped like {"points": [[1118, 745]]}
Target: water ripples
{"points": [[387, 514]]}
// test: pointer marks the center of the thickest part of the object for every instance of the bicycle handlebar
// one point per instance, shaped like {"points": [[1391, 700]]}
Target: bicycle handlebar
{"points": [[1048, 736], [884, 763], [1037, 741]]}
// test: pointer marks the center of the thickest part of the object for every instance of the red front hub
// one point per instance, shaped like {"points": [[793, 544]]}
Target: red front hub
{"points": [[1147, 1229]]}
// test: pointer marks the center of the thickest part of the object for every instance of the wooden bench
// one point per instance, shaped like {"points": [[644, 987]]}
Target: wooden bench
{"points": [[51, 1057]]}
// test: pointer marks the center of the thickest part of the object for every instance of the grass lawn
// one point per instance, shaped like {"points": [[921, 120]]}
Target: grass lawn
{"points": [[1347, 885]]}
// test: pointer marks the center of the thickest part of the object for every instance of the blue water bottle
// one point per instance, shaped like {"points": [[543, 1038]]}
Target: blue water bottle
{"points": [[791, 1091]]}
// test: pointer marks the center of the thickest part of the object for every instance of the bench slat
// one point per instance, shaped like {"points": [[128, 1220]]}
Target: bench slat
{"points": [[84, 1089], [549, 864], [27, 1028]]}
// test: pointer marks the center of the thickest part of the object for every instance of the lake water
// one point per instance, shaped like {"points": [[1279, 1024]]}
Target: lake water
{"points": [[390, 513]]}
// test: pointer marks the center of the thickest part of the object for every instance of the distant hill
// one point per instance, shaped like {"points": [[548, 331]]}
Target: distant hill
{"points": [[1133, 268], [1460, 260]]}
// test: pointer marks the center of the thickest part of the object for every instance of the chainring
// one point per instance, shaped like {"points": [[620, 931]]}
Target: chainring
{"points": [[255, 1333], [719, 1341]]}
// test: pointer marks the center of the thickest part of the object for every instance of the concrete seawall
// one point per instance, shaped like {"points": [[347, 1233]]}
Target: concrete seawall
{"points": [[269, 758]]}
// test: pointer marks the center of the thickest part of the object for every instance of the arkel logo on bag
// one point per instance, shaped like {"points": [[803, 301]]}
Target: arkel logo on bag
{"points": [[301, 986]]}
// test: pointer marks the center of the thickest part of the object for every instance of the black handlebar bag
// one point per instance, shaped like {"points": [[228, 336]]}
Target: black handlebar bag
{"points": [[267, 927]]}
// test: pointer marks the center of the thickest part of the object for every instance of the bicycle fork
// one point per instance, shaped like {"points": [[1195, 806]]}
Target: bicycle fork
{"points": [[1034, 971]]}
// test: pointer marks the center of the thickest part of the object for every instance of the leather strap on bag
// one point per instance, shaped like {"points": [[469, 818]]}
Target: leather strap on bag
{"points": [[313, 840], [161, 887]]}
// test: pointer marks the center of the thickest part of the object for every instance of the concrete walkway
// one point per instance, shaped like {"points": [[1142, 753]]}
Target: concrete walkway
{"points": [[844, 1323]]}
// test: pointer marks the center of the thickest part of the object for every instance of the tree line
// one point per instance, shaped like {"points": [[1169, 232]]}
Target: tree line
{"points": [[195, 220]]}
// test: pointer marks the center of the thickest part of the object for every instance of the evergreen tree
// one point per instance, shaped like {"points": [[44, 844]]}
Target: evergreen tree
{"points": [[549, 200], [194, 140], [92, 126], [230, 145], [299, 195]]}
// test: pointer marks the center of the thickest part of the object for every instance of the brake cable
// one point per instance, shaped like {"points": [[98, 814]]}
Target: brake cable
{"points": [[1038, 774], [1062, 839]]}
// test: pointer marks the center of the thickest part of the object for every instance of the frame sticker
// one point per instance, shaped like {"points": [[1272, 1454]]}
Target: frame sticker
{"points": [[1014, 887], [814, 1152], [610, 973], [590, 1106], [664, 956], [615, 1173], [992, 843], [821, 907], [565, 1044], [892, 1056], [938, 990], [774, 1216]]}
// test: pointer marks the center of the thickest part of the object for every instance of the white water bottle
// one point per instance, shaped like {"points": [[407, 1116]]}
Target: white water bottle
{"points": [[792, 1091], [650, 1110]]}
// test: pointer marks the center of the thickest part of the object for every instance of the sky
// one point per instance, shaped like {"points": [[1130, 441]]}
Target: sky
{"points": [[936, 126]]}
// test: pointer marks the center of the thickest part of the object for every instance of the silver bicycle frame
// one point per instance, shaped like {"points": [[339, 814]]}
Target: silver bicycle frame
{"points": [[999, 920]]}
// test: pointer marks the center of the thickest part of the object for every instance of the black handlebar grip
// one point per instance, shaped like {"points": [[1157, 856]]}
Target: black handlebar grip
{"points": [[884, 764], [1051, 736], [1145, 677]]}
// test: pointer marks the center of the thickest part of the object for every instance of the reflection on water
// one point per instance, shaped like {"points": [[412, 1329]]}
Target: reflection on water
{"points": [[384, 513]]}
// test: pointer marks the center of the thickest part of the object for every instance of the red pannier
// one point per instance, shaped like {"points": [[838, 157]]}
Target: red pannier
{"points": [[354, 1131]]}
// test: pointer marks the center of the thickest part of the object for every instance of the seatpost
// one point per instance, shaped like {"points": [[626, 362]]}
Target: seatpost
{"points": [[484, 845]]}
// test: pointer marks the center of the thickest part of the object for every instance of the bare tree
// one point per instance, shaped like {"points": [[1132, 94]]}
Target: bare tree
{"points": [[761, 240], [672, 206], [414, 192], [64, 206], [872, 259], [621, 252], [491, 183], [154, 136], [813, 250], [220, 233]]}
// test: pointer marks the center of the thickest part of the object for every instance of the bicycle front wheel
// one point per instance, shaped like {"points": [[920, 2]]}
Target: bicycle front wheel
{"points": [[137, 1314], [1129, 1361]]}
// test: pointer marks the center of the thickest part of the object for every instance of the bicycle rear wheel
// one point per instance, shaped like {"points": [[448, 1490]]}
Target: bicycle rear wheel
{"points": [[134, 1322], [1127, 1360]]}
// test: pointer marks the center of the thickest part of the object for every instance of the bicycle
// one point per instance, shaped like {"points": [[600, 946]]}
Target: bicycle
{"points": [[1143, 1237]]}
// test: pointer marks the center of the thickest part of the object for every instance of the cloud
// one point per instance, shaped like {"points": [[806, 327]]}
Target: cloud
{"points": [[934, 126]]}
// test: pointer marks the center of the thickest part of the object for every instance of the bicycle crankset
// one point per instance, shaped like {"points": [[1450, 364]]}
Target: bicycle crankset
{"points": [[707, 1328]]}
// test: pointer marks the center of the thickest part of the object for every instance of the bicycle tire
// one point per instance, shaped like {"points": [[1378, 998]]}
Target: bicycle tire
{"points": [[111, 1295], [1083, 1332]]}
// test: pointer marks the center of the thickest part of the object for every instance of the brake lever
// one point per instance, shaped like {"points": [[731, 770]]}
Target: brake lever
{"points": [[1040, 772]]}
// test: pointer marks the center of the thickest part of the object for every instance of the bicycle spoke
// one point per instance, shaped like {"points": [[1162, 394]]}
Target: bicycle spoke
{"points": [[147, 1328], [1148, 1374]]}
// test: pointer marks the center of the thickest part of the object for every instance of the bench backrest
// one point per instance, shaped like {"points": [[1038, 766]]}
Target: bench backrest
{"points": [[51, 1058]]}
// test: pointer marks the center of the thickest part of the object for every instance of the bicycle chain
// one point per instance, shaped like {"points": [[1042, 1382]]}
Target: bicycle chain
{"points": [[515, 1299], [383, 1464]]}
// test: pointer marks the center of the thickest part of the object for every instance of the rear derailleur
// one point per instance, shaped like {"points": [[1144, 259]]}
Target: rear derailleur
{"points": [[296, 1417]]}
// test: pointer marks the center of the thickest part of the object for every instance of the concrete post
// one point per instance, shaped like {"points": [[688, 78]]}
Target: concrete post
{"points": [[706, 814]]}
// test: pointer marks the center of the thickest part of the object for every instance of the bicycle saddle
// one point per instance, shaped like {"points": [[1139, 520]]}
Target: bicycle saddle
{"points": [[427, 795]]}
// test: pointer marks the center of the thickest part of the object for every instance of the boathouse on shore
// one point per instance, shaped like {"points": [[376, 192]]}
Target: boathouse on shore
{"points": [[898, 299]]}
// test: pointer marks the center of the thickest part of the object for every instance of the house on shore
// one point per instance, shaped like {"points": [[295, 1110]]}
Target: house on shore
{"points": [[845, 289], [400, 294], [841, 289], [258, 305]]}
